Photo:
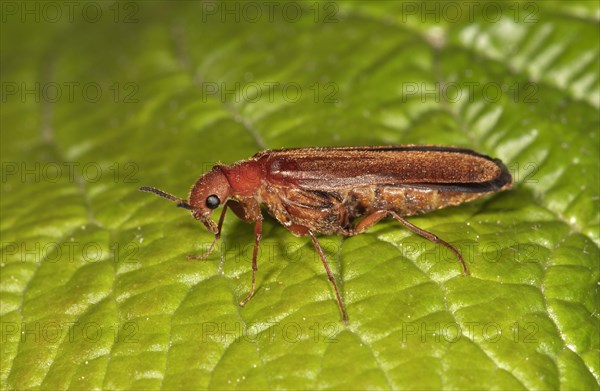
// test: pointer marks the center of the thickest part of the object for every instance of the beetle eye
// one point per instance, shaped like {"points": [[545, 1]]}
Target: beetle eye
{"points": [[212, 201]]}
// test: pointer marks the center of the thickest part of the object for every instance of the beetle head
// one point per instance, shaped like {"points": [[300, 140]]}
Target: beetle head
{"points": [[211, 190]]}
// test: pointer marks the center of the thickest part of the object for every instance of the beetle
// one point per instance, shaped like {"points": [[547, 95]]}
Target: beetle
{"points": [[341, 191]]}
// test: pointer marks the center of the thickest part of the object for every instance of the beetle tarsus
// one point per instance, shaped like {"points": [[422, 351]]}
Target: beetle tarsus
{"points": [[207, 253]]}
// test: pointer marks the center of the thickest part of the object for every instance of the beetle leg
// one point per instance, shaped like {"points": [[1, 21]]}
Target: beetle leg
{"points": [[217, 235], [298, 230], [369, 221], [375, 217], [257, 236], [330, 276], [238, 209], [432, 237]]}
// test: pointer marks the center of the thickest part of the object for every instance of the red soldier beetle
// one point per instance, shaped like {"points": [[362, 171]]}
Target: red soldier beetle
{"points": [[326, 190]]}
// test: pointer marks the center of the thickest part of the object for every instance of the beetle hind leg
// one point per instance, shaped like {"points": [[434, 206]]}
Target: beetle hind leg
{"points": [[433, 238], [377, 216]]}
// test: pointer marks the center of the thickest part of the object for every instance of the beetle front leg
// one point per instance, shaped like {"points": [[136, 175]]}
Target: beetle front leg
{"points": [[257, 236], [217, 235], [238, 210]]}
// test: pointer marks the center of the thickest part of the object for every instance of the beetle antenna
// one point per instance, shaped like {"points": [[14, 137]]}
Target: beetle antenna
{"points": [[180, 202]]}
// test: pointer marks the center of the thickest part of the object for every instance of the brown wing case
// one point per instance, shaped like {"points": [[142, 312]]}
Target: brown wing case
{"points": [[433, 167]]}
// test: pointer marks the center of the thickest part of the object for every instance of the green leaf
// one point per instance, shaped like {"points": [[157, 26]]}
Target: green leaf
{"points": [[101, 98]]}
